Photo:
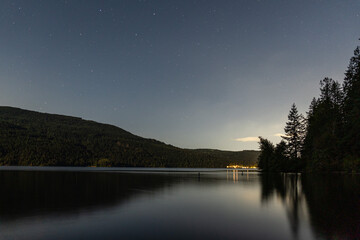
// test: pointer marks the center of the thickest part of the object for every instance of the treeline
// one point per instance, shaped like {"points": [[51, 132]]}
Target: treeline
{"points": [[328, 138], [30, 138]]}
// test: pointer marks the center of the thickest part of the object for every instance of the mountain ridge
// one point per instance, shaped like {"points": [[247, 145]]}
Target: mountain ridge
{"points": [[31, 138]]}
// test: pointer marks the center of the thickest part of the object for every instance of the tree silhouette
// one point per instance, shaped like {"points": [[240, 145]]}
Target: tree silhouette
{"points": [[352, 110], [328, 139], [267, 154], [294, 137]]}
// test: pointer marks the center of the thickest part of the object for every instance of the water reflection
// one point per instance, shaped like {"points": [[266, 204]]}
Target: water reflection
{"points": [[192, 205], [334, 205], [233, 174], [331, 203], [35, 193], [287, 188]]}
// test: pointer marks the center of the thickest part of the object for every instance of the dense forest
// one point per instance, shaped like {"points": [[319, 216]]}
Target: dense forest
{"points": [[30, 138], [328, 138]]}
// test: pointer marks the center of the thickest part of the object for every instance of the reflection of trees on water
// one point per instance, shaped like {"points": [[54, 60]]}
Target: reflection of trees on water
{"points": [[334, 205], [44, 193], [28, 193], [287, 188], [332, 201]]}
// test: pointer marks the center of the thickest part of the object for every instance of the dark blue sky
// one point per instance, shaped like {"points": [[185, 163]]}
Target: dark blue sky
{"points": [[195, 74]]}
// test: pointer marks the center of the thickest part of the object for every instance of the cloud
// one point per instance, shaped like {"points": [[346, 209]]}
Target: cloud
{"points": [[279, 135], [247, 139]]}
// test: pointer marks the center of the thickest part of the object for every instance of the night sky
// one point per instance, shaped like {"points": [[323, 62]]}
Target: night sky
{"points": [[194, 74]]}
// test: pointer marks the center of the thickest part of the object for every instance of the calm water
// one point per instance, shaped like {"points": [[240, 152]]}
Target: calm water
{"points": [[177, 205]]}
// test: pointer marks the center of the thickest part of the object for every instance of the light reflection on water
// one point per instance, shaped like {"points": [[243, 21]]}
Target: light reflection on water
{"points": [[236, 172], [230, 204]]}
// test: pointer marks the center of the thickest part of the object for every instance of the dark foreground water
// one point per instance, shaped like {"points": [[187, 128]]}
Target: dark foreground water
{"points": [[177, 205]]}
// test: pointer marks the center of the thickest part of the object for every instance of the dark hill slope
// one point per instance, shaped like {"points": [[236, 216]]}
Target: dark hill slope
{"points": [[40, 139]]}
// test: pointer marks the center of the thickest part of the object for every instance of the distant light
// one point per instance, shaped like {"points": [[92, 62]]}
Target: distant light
{"points": [[240, 166]]}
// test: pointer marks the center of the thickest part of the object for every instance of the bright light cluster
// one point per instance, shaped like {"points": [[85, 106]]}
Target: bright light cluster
{"points": [[240, 166]]}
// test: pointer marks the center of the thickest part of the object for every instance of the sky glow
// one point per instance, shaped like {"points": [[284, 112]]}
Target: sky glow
{"points": [[194, 74]]}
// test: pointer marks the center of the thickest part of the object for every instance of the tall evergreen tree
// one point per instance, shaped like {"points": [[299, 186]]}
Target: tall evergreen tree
{"points": [[322, 149], [281, 160], [265, 159], [352, 108], [308, 147], [329, 139], [294, 137]]}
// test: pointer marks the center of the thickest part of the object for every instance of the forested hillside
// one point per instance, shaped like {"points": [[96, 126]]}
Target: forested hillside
{"points": [[30, 138]]}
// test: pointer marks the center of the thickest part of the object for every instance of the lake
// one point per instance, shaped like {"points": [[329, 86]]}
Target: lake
{"points": [[90, 203]]}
